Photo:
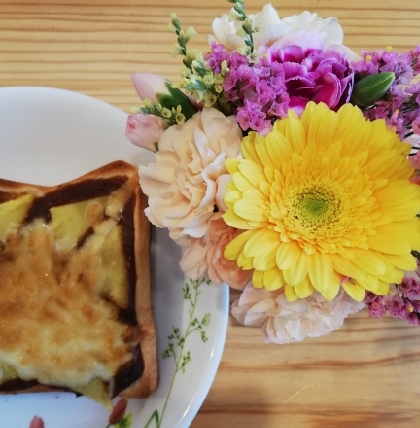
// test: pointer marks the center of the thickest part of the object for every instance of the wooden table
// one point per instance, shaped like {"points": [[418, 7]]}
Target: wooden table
{"points": [[368, 373]]}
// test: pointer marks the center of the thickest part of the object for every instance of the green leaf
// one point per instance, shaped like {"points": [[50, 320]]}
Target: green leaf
{"points": [[175, 98]]}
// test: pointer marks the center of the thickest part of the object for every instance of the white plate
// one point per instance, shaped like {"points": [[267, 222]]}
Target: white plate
{"points": [[49, 136]]}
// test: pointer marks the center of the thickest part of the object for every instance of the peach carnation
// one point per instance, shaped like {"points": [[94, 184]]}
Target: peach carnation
{"points": [[182, 183], [282, 321], [205, 256]]}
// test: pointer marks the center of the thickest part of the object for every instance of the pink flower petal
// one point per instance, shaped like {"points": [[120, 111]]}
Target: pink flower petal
{"points": [[330, 91], [37, 422]]}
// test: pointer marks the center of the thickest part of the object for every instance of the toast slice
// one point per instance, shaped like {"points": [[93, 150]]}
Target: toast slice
{"points": [[75, 287]]}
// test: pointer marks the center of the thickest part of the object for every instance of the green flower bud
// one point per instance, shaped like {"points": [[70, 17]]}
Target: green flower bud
{"points": [[371, 89]]}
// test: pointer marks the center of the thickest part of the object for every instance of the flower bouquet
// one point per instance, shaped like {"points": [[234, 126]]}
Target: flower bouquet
{"points": [[287, 167]]}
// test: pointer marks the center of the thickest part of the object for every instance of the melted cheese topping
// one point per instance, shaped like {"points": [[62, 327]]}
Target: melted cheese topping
{"points": [[54, 325]]}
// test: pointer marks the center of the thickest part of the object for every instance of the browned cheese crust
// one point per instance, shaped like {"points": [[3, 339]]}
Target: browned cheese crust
{"points": [[147, 383]]}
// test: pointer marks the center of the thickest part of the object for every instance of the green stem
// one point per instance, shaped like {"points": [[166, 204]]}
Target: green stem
{"points": [[155, 415], [177, 366]]}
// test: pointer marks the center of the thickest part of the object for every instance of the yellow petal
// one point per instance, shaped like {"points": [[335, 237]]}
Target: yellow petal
{"points": [[252, 172], [370, 283], [250, 210], [248, 148], [273, 279], [304, 288], [278, 148], [326, 129], [241, 183], [406, 262], [396, 193], [384, 164], [264, 262], [403, 212], [232, 165], [297, 273], [246, 263], [320, 272], [234, 220], [261, 149], [294, 132], [262, 242], [346, 267], [383, 288], [232, 197], [236, 246], [257, 279], [391, 274], [287, 255], [355, 291], [368, 261], [333, 289], [407, 230], [289, 291], [389, 244]]}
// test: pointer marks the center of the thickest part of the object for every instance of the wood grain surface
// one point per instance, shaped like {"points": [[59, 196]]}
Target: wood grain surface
{"points": [[366, 374]]}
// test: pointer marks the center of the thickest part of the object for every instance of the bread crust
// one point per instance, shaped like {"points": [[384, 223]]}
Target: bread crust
{"points": [[147, 383]]}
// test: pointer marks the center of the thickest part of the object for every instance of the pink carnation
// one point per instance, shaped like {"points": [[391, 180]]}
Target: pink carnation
{"points": [[205, 256], [282, 321]]}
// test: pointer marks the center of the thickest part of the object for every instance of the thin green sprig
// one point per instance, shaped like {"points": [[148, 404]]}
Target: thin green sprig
{"points": [[171, 116], [180, 48], [247, 30]]}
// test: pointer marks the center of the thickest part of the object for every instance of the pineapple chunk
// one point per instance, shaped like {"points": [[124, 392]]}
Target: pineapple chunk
{"points": [[69, 223], [7, 372], [114, 267], [95, 389], [12, 214]]}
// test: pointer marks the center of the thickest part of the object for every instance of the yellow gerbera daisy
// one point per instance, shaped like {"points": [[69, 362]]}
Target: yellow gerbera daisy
{"points": [[325, 201]]}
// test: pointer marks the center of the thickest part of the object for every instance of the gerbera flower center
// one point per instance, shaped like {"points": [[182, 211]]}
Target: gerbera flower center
{"points": [[314, 206]]}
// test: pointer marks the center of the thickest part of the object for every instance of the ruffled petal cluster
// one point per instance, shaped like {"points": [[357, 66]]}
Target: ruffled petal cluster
{"points": [[274, 30], [183, 182], [205, 256], [325, 203], [282, 321]]}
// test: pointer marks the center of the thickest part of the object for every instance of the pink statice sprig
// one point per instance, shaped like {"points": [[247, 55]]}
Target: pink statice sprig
{"points": [[399, 105], [403, 302]]}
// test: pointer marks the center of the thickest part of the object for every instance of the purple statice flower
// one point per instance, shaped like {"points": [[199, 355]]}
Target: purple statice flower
{"points": [[413, 318], [375, 305], [396, 306], [414, 91], [383, 61], [259, 90], [250, 116], [415, 59], [400, 106], [218, 54], [403, 302], [409, 288]]}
